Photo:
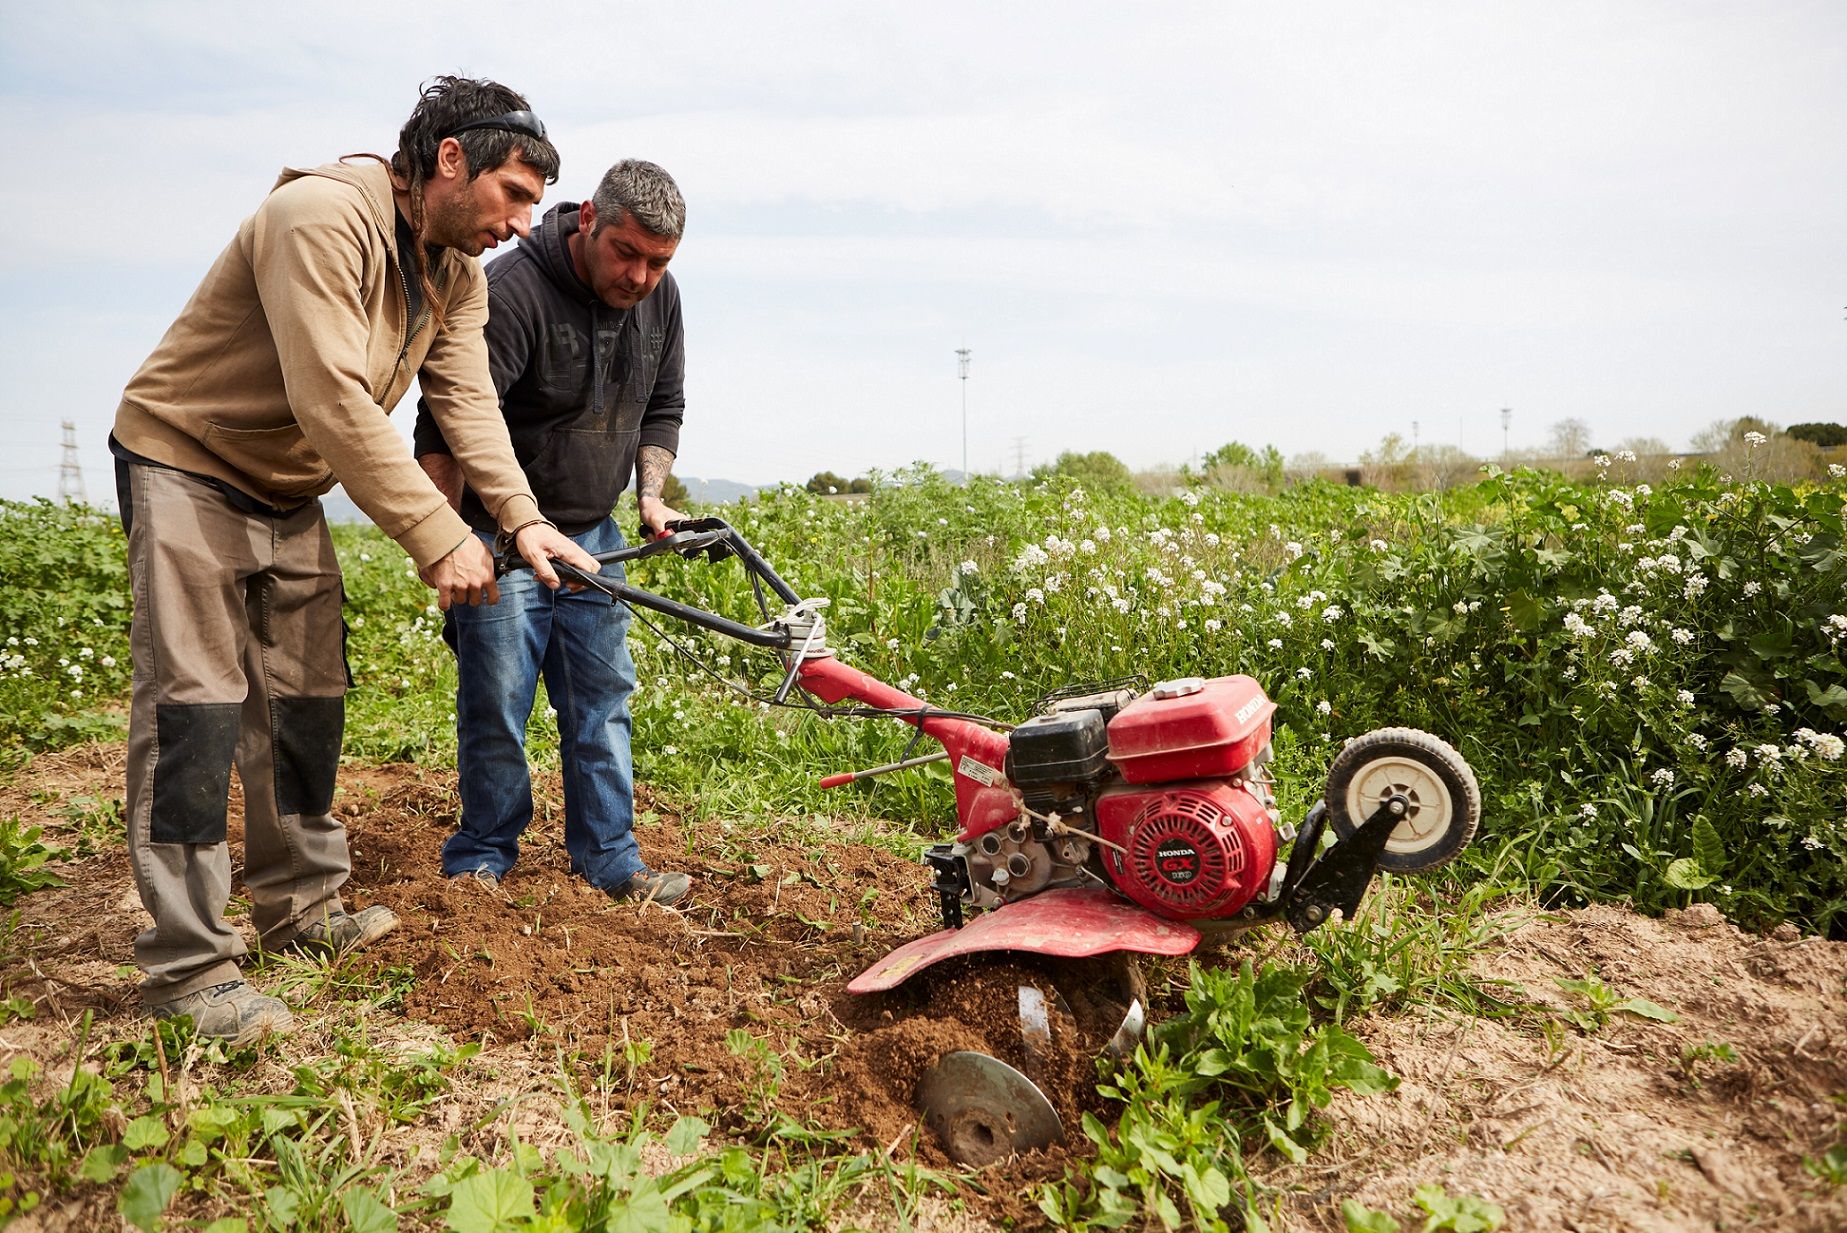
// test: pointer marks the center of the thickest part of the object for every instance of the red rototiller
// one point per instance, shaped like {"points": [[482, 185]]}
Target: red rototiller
{"points": [[1118, 819]]}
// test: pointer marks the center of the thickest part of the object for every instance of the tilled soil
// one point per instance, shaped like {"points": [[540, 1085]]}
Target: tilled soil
{"points": [[1633, 1125]]}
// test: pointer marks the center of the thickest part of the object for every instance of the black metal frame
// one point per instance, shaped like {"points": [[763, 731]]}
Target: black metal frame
{"points": [[692, 537], [1315, 887]]}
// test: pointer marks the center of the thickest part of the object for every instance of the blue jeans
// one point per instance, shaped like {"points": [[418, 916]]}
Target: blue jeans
{"points": [[577, 641]]}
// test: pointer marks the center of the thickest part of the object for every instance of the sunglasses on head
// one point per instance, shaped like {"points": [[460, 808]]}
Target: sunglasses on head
{"points": [[513, 121]]}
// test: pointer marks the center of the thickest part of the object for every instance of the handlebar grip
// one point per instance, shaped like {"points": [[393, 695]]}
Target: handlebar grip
{"points": [[834, 781]]}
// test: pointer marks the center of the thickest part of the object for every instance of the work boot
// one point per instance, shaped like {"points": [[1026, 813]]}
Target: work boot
{"points": [[665, 889], [339, 932], [483, 879], [234, 1012]]}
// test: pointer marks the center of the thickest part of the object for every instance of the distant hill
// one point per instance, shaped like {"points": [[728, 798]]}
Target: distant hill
{"points": [[716, 491], [340, 507]]}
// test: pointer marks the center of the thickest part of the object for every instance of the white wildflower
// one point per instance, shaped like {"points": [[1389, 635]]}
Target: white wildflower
{"points": [[1325, 707], [1030, 557], [1827, 745], [1662, 778]]}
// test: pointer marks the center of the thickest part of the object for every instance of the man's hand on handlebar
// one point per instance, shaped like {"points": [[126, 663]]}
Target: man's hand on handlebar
{"points": [[540, 542], [656, 514]]}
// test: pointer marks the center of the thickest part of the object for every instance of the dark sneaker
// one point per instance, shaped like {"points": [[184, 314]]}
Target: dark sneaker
{"points": [[232, 1012], [338, 932], [480, 879], [665, 889]]}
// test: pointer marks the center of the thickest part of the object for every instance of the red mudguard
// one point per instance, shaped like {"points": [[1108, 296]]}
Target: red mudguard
{"points": [[1071, 924]]}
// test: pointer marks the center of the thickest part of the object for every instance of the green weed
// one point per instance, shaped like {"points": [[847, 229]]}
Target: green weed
{"points": [[1600, 1002], [22, 861], [1243, 1063]]}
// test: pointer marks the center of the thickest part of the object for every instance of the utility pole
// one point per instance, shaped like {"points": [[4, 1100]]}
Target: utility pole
{"points": [[1019, 455], [70, 473], [1507, 418], [962, 354], [1414, 427]]}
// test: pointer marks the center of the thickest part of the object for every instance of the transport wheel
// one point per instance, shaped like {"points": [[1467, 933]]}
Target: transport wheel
{"points": [[1445, 801]]}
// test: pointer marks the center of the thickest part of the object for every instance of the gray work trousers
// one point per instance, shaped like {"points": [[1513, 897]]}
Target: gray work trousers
{"points": [[239, 656]]}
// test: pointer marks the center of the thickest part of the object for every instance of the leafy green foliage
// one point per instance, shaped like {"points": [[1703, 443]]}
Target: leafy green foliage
{"points": [[1601, 1002], [147, 1192], [1466, 1214], [22, 861], [1358, 1218], [63, 626], [1243, 1063], [1648, 681], [1098, 470]]}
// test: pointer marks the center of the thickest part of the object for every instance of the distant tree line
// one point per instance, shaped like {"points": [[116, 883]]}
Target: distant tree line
{"points": [[1746, 445], [828, 484]]}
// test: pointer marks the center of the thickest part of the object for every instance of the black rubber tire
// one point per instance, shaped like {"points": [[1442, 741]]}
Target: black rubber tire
{"points": [[1445, 799]]}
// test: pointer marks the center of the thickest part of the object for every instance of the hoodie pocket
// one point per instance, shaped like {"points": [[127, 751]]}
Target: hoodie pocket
{"points": [[580, 473], [279, 458]]}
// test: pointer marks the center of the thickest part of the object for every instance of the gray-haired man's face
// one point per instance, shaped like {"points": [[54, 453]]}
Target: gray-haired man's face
{"points": [[622, 263]]}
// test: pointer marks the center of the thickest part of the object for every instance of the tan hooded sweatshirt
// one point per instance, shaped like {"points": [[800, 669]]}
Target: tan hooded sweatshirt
{"points": [[279, 374]]}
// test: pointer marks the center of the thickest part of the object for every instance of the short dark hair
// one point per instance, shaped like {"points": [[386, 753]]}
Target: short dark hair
{"points": [[448, 103]]}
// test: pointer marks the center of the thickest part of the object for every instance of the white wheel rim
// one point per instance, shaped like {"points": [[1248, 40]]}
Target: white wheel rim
{"points": [[1432, 808]]}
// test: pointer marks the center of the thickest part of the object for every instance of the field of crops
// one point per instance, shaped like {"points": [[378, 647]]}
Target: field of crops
{"points": [[1647, 680]]}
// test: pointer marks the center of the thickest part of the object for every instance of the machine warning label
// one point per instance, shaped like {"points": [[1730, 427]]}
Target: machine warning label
{"points": [[980, 772], [1177, 862]]}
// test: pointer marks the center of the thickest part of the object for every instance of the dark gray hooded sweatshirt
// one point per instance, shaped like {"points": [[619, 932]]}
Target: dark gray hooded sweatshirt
{"points": [[576, 409]]}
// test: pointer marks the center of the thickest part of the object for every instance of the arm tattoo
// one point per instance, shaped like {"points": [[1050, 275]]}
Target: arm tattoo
{"points": [[653, 464]]}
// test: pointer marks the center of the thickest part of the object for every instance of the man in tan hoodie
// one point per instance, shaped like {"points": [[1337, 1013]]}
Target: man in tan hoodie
{"points": [[274, 383]]}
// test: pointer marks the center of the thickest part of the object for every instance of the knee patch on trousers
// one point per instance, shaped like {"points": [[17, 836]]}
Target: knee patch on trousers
{"points": [[307, 748], [192, 777]]}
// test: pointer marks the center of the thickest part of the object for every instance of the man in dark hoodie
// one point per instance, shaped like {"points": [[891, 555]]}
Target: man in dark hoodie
{"points": [[585, 347]]}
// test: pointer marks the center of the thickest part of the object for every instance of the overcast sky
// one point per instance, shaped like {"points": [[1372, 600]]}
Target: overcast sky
{"points": [[1159, 227]]}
